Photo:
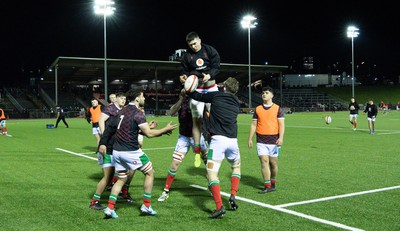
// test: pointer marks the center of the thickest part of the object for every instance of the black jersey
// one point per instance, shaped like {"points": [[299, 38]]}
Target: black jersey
{"points": [[371, 110], [356, 108], [206, 61], [225, 108], [60, 112]]}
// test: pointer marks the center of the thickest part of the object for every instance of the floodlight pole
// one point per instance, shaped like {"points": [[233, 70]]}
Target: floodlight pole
{"points": [[105, 8], [105, 60], [249, 67], [352, 32], [248, 22]]}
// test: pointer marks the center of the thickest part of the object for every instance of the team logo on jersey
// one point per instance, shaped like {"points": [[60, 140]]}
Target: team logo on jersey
{"points": [[199, 62]]}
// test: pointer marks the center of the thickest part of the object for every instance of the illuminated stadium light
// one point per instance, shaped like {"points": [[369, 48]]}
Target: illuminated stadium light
{"points": [[105, 8], [352, 32], [249, 22]]}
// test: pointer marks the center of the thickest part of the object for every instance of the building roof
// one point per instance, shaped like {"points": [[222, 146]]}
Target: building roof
{"points": [[83, 70]]}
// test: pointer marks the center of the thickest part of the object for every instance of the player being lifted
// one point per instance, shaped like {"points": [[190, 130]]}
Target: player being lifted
{"points": [[203, 61]]}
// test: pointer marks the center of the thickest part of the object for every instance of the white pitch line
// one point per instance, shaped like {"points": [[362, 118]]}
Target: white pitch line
{"points": [[287, 211], [76, 154], [388, 133], [336, 197]]}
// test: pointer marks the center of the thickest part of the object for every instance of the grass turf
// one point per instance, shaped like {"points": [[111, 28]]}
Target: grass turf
{"points": [[44, 188]]}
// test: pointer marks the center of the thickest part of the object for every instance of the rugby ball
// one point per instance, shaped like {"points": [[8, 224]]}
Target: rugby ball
{"points": [[328, 119], [191, 83]]}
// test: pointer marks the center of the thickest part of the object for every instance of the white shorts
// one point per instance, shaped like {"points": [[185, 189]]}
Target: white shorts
{"points": [[184, 142], [125, 160], [355, 116], [197, 107], [223, 147], [371, 119], [96, 131], [271, 150]]}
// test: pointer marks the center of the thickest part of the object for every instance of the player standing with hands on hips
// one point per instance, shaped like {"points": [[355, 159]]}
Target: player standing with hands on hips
{"points": [[203, 61]]}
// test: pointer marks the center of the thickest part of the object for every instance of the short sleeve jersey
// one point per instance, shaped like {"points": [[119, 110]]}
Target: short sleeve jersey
{"points": [[126, 137]]}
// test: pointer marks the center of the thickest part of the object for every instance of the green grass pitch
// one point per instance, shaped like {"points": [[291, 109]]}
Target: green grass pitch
{"points": [[330, 178]]}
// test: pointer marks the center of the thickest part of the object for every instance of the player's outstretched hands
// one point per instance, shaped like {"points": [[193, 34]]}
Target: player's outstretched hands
{"points": [[170, 127], [153, 124]]}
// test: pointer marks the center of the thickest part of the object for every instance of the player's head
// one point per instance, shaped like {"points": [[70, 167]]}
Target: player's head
{"points": [[95, 102], [194, 41], [231, 85], [267, 93], [136, 96], [371, 101], [352, 99], [112, 97], [120, 99]]}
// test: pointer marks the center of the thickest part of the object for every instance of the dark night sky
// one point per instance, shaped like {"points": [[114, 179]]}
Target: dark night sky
{"points": [[35, 33]]}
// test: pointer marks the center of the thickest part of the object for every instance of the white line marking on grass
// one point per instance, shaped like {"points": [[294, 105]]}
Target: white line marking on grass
{"points": [[76, 154], [286, 211], [339, 196], [388, 133]]}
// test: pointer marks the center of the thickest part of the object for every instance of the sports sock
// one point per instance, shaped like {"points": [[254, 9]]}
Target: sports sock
{"points": [[355, 125], [197, 148], [235, 179], [267, 184], [112, 200], [146, 199], [273, 180], [169, 180], [95, 198], [215, 189]]}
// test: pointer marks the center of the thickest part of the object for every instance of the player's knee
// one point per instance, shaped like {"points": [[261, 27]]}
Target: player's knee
{"points": [[147, 168], [213, 166], [178, 156], [235, 164], [122, 175]]}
